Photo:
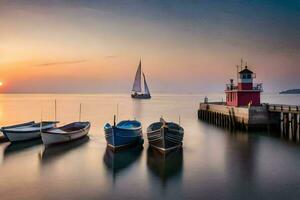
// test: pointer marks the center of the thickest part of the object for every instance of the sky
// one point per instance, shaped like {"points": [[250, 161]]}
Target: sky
{"points": [[89, 46]]}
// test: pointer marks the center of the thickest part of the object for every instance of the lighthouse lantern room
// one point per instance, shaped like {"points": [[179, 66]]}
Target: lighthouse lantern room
{"points": [[245, 93]]}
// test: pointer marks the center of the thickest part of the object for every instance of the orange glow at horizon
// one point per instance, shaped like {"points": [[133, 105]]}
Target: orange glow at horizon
{"points": [[79, 49]]}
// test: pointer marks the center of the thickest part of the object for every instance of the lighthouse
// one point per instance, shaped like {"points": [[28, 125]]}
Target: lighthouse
{"points": [[245, 93]]}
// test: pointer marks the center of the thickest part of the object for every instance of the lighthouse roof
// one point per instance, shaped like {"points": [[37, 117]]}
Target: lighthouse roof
{"points": [[246, 71]]}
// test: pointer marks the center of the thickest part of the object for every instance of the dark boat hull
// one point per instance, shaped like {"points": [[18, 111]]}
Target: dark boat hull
{"points": [[141, 96], [121, 138], [165, 139]]}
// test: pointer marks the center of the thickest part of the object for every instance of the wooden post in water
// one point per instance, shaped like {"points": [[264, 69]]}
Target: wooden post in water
{"points": [[298, 127], [214, 118], [221, 120], [208, 116], [281, 124], [228, 121], [294, 125], [284, 124], [290, 126]]}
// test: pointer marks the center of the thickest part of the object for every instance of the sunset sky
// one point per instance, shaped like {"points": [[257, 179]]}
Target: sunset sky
{"points": [[82, 46]]}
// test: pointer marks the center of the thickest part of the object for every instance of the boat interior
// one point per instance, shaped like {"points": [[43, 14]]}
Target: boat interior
{"points": [[174, 126], [170, 125], [43, 123], [129, 124], [20, 125], [155, 126], [69, 127]]}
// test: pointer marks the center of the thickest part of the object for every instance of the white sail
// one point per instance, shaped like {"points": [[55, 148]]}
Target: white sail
{"points": [[137, 81], [145, 85]]}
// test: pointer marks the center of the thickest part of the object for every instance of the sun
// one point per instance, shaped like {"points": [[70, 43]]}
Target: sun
{"points": [[1, 83]]}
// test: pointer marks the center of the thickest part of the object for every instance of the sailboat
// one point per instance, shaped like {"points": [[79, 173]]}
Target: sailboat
{"points": [[137, 85]]}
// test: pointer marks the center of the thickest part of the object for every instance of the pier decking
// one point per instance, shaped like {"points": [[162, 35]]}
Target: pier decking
{"points": [[285, 118]]}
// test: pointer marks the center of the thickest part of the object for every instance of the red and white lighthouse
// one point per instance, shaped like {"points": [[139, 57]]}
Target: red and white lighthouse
{"points": [[245, 93]]}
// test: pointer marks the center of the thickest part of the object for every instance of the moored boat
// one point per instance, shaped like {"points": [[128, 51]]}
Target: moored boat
{"points": [[27, 131], [124, 134], [66, 133], [165, 136]]}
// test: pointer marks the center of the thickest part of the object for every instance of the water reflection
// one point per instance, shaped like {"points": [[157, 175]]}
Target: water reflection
{"points": [[240, 157], [17, 147], [137, 108], [55, 151], [116, 162], [165, 166]]}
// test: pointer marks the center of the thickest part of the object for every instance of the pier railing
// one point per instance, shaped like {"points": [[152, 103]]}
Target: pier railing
{"points": [[283, 108]]}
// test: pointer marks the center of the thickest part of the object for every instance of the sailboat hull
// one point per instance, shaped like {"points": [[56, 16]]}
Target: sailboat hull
{"points": [[141, 96]]}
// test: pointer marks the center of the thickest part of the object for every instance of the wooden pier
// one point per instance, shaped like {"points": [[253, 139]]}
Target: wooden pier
{"points": [[284, 118], [289, 119]]}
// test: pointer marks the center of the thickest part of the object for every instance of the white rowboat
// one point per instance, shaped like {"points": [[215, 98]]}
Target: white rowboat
{"points": [[66, 133]]}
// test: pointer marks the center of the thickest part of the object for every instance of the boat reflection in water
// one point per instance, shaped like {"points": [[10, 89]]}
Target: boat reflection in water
{"points": [[165, 166], [18, 147], [118, 161], [53, 152]]}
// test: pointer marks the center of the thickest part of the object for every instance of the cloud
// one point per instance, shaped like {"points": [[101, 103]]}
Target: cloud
{"points": [[61, 63], [111, 56]]}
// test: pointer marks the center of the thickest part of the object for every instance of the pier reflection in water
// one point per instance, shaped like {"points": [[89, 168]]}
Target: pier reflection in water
{"points": [[240, 158], [165, 166]]}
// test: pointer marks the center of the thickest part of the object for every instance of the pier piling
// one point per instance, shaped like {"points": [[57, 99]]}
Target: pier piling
{"points": [[284, 118]]}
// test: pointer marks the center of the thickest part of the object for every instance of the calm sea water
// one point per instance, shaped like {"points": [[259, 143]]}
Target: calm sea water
{"points": [[214, 163]]}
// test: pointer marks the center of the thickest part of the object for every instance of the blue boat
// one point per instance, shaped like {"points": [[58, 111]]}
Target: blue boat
{"points": [[124, 134]]}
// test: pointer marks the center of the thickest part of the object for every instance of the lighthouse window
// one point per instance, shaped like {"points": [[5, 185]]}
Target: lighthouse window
{"points": [[249, 76], [244, 76]]}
